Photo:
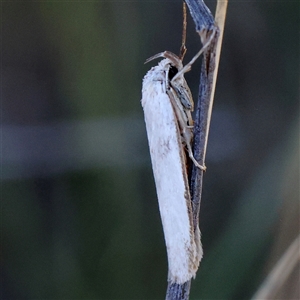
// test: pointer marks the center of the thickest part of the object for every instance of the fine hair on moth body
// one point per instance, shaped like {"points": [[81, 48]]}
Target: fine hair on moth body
{"points": [[167, 103]]}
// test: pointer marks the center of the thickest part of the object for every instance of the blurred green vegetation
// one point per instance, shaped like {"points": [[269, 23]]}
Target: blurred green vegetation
{"points": [[79, 211]]}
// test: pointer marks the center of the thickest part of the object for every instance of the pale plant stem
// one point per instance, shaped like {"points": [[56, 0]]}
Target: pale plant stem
{"points": [[211, 58], [279, 275]]}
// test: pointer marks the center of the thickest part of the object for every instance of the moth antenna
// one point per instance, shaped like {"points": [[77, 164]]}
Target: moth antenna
{"points": [[167, 54], [158, 55]]}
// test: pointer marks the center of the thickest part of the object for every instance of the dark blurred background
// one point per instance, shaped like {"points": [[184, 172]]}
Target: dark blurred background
{"points": [[79, 212]]}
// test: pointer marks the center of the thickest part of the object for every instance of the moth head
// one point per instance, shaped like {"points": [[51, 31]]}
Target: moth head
{"points": [[172, 65]]}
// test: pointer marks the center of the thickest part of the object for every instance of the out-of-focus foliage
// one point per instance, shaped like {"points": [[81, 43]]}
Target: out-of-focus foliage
{"points": [[79, 211]]}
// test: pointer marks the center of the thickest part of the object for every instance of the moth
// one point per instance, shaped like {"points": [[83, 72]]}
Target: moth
{"points": [[167, 103]]}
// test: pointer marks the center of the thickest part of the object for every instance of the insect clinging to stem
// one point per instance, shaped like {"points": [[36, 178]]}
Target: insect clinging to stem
{"points": [[167, 103]]}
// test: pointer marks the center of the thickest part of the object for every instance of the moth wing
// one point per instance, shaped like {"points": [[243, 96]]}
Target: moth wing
{"points": [[169, 169]]}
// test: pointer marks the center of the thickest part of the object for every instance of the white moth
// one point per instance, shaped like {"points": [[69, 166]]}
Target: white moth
{"points": [[167, 104]]}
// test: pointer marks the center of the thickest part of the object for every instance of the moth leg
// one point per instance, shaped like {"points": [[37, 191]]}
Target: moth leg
{"points": [[191, 155], [183, 115], [188, 66], [190, 121], [185, 112], [187, 137], [179, 109], [179, 93], [187, 134]]}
